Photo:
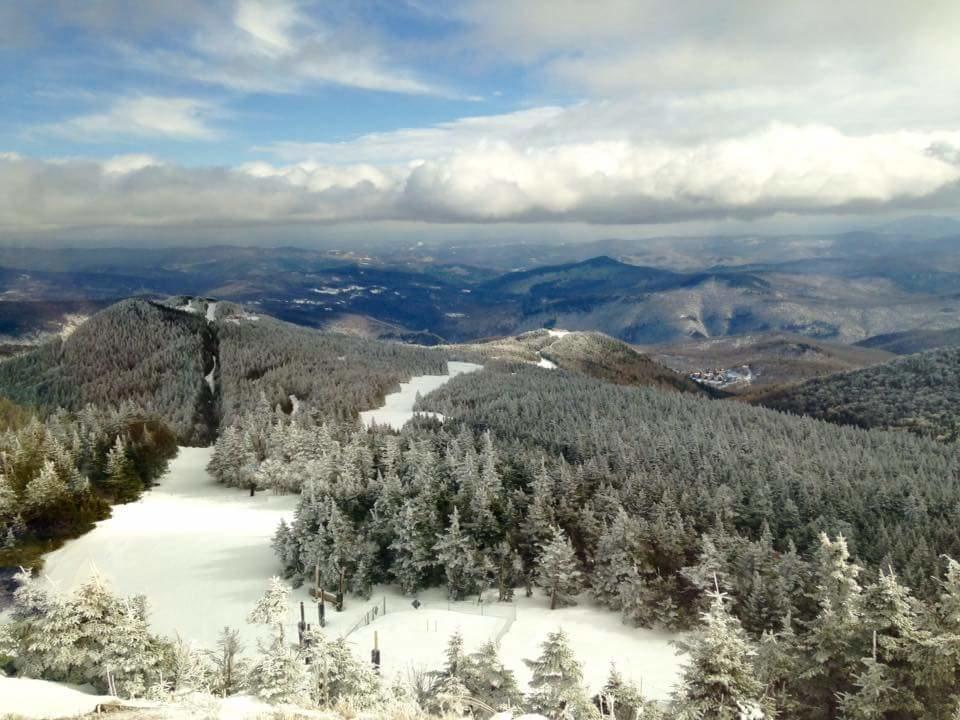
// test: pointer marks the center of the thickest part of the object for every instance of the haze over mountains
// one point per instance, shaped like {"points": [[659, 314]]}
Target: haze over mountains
{"points": [[846, 289]]}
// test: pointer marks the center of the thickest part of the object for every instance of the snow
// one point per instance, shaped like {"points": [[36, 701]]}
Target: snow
{"points": [[398, 406], [71, 322], [41, 700], [209, 376], [338, 291], [410, 638], [44, 700], [558, 333], [201, 554], [548, 364], [211, 311], [198, 550]]}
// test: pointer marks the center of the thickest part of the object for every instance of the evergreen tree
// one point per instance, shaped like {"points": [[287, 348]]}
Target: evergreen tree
{"points": [[272, 609], [457, 554], [557, 684], [280, 675], [230, 668], [836, 640], [489, 681], [620, 699], [558, 572], [121, 476], [718, 680]]}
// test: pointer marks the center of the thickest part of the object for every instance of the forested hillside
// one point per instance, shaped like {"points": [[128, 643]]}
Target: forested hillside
{"points": [[136, 351], [336, 374], [919, 393], [690, 464], [913, 341], [555, 483], [588, 353], [191, 365]]}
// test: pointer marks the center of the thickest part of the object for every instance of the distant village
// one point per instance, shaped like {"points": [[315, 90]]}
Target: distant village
{"points": [[723, 377]]}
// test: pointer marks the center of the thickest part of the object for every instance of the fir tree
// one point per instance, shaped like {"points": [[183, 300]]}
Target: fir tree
{"points": [[280, 675], [557, 684], [620, 699], [457, 554], [718, 679], [558, 572], [230, 668], [488, 680], [272, 609]]}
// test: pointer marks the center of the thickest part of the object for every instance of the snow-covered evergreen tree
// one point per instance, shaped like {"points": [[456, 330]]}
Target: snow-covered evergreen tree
{"points": [[230, 669], [556, 688], [281, 675], [45, 491], [558, 570], [457, 554], [620, 699], [337, 675], [121, 476], [488, 680], [272, 609], [718, 679]]}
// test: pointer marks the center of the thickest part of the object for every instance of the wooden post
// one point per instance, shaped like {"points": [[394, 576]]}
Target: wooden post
{"points": [[317, 592], [322, 611], [375, 653]]}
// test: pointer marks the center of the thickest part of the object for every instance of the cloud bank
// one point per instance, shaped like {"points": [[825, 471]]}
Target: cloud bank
{"points": [[784, 169]]}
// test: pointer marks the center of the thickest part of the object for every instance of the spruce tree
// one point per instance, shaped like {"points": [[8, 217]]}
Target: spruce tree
{"points": [[272, 608], [556, 688], [718, 679], [558, 571], [489, 681]]}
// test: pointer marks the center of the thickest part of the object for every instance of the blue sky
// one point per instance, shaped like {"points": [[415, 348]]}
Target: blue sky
{"points": [[618, 115]]}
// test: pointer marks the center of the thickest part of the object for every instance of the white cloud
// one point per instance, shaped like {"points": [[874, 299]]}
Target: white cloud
{"points": [[277, 46], [785, 169], [142, 117], [123, 164], [857, 64]]}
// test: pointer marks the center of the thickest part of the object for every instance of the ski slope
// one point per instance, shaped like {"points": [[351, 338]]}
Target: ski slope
{"points": [[398, 407], [200, 552]]}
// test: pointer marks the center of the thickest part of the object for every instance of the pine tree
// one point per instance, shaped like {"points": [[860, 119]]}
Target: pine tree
{"points": [[8, 500], [558, 572], [121, 476], [620, 699], [718, 680], [489, 681], [272, 608], [835, 641], [557, 684], [338, 676], [44, 492], [230, 668], [457, 554], [280, 675]]}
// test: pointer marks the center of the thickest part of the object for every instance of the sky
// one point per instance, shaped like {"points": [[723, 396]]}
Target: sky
{"points": [[289, 118]]}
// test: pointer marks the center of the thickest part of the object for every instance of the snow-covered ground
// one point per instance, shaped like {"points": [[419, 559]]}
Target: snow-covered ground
{"points": [[398, 408], [411, 638], [548, 364], [201, 554], [199, 551], [558, 333], [40, 700], [211, 383]]}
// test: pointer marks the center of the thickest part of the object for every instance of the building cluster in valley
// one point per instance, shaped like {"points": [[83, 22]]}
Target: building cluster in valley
{"points": [[724, 377]]}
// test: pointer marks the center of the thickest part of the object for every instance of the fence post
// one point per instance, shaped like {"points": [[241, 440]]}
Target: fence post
{"points": [[375, 653]]}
